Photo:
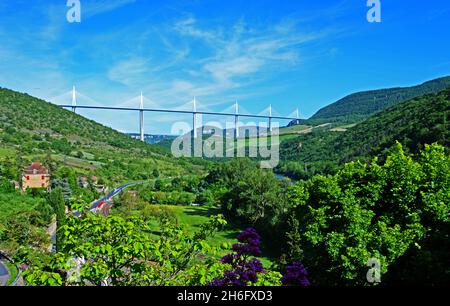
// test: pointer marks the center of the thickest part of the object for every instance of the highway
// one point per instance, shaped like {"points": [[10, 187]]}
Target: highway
{"points": [[110, 195], [98, 203]]}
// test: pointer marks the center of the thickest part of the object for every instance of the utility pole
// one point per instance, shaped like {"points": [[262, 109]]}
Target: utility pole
{"points": [[141, 118]]}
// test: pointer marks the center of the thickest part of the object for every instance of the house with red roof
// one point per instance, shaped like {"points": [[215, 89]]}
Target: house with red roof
{"points": [[35, 176]]}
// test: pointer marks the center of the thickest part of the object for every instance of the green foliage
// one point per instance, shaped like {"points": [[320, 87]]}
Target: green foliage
{"points": [[371, 211], [269, 279], [413, 123], [24, 228], [57, 202], [120, 251], [250, 196]]}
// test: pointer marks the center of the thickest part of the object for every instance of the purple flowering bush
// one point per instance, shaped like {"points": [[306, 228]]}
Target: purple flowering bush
{"points": [[295, 275], [247, 270], [244, 270]]}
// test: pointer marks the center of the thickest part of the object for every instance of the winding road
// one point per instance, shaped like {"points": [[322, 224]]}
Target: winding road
{"points": [[4, 274]]}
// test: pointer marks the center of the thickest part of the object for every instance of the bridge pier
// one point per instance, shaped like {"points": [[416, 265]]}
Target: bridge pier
{"points": [[74, 100], [141, 125], [270, 118], [194, 125], [141, 119]]}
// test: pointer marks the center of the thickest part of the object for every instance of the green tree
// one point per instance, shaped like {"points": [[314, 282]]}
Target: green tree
{"points": [[57, 202], [120, 251], [368, 211]]}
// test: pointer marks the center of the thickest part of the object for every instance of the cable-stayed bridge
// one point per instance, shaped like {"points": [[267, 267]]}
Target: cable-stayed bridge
{"points": [[194, 111]]}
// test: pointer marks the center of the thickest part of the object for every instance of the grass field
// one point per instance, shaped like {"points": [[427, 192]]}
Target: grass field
{"points": [[295, 129], [191, 217]]}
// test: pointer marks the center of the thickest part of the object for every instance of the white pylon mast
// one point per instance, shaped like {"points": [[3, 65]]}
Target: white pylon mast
{"points": [[297, 114], [141, 119]]}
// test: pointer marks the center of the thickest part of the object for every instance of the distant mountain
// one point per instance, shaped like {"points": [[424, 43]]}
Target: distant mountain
{"points": [[359, 106], [414, 123], [152, 139]]}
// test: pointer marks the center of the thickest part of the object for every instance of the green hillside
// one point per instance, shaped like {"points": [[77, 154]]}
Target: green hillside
{"points": [[414, 123], [34, 130], [359, 106]]}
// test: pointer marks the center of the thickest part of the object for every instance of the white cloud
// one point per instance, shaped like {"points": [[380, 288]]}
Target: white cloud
{"points": [[129, 71], [241, 56]]}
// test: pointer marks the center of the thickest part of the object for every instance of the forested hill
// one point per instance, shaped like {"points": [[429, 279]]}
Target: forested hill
{"points": [[359, 106], [32, 129], [24, 113], [414, 123]]}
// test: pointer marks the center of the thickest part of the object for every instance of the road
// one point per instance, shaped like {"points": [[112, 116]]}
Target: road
{"points": [[110, 195], [4, 274], [107, 197]]}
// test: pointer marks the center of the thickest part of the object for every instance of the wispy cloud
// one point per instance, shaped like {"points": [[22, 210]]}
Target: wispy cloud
{"points": [[129, 72], [96, 7], [240, 56]]}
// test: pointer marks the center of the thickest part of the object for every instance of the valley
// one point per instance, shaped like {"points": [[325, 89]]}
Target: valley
{"points": [[188, 215]]}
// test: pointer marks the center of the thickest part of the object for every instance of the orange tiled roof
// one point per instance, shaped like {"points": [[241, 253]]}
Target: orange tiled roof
{"points": [[35, 168]]}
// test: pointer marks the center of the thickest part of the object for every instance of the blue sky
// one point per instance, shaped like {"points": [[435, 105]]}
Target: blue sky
{"points": [[290, 54]]}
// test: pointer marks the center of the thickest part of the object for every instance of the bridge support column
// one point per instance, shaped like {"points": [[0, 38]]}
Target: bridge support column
{"points": [[141, 125], [270, 125], [74, 99], [236, 126], [141, 119], [194, 125]]}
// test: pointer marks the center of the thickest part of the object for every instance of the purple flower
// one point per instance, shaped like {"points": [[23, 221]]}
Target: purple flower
{"points": [[227, 259], [243, 270], [249, 236], [295, 275]]}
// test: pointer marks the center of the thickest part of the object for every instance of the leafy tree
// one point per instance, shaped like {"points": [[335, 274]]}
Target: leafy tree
{"points": [[371, 211], [118, 251], [57, 202]]}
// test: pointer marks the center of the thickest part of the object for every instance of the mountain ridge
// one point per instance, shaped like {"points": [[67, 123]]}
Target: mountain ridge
{"points": [[414, 123], [360, 105]]}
